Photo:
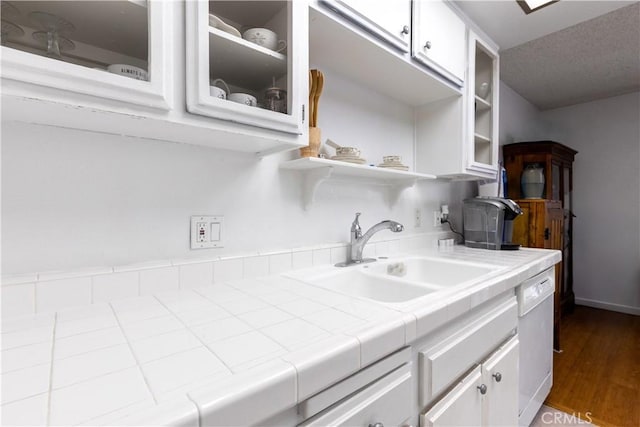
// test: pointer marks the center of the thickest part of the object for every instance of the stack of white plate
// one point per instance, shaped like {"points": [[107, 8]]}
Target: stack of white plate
{"points": [[349, 159], [394, 164]]}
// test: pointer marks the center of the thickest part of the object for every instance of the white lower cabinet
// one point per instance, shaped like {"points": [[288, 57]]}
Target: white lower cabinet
{"points": [[462, 406], [386, 402], [500, 375], [487, 396]]}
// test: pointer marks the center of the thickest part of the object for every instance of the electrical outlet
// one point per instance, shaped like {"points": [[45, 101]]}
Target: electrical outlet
{"points": [[201, 230], [206, 232], [437, 217], [417, 218]]}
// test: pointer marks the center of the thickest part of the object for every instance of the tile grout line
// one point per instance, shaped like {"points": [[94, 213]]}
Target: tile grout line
{"points": [[53, 345], [138, 364], [196, 336]]}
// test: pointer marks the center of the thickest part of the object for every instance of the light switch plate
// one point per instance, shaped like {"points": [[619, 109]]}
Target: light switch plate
{"points": [[206, 231]]}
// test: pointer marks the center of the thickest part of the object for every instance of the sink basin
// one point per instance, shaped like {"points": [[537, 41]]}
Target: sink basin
{"points": [[431, 271], [359, 282], [398, 281]]}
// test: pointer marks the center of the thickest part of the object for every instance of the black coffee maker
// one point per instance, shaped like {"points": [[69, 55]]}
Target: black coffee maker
{"points": [[488, 223]]}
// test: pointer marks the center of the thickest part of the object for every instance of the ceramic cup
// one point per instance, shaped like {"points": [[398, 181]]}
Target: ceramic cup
{"points": [[217, 92], [243, 98], [265, 38]]}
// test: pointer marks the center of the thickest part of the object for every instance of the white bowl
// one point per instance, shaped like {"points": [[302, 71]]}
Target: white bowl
{"points": [[265, 38], [128, 71]]}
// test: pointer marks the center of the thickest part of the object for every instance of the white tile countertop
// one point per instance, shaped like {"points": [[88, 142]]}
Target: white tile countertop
{"points": [[199, 356]]}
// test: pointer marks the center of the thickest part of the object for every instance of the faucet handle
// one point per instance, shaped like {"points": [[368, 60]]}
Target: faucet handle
{"points": [[355, 226]]}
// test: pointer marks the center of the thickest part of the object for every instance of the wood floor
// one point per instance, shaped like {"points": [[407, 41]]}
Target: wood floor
{"points": [[597, 375]]}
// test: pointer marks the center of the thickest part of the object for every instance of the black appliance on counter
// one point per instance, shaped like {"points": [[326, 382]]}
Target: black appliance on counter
{"points": [[488, 223]]}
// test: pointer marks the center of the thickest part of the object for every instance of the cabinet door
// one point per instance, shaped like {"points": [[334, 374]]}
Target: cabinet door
{"points": [[500, 375], [240, 53], [482, 106], [76, 48], [389, 20], [462, 406], [439, 39]]}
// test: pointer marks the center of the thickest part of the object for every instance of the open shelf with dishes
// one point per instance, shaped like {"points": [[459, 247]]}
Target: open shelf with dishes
{"points": [[317, 170]]}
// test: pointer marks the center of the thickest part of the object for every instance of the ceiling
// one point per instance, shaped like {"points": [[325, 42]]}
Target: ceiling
{"points": [[566, 53]]}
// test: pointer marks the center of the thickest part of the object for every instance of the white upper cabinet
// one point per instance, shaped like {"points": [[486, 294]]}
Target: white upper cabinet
{"points": [[389, 20], [482, 107], [77, 47], [439, 39], [246, 62], [457, 138], [118, 67]]}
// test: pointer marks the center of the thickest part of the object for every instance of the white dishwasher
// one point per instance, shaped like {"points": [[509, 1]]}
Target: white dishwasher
{"points": [[535, 331]]}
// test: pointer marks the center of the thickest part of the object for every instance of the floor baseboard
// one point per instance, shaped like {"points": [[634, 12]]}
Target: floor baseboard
{"points": [[627, 309]]}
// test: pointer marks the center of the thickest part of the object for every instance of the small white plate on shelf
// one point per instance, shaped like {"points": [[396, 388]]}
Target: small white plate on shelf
{"points": [[218, 23], [396, 167], [350, 159]]}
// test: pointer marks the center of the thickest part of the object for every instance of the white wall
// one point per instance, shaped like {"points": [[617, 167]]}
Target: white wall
{"points": [[73, 199], [606, 134], [519, 119]]}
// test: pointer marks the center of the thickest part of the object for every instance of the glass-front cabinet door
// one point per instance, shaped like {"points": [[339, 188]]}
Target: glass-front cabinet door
{"points": [[482, 114], [114, 50], [245, 63]]}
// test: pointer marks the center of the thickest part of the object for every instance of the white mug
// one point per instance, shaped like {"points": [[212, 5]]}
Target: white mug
{"points": [[217, 92], [265, 38], [243, 98]]}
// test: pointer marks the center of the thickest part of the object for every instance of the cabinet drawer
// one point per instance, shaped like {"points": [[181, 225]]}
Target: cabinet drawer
{"points": [[443, 364], [355, 382], [387, 401]]}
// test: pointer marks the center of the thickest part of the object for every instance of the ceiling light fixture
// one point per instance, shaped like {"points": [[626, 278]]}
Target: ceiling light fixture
{"points": [[532, 5]]}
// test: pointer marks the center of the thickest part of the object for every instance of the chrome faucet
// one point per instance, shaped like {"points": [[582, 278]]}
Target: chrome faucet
{"points": [[358, 240]]}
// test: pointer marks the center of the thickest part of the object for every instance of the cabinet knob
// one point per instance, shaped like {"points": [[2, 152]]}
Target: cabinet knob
{"points": [[405, 30], [427, 45], [482, 388], [497, 376]]}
